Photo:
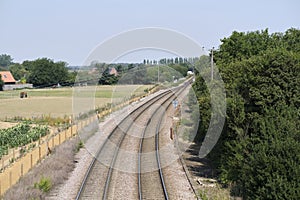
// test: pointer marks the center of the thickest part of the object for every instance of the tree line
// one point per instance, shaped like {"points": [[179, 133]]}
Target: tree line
{"points": [[42, 72], [258, 151], [135, 73]]}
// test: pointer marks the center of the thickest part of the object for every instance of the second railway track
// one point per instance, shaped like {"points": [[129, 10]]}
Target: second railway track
{"points": [[151, 182]]}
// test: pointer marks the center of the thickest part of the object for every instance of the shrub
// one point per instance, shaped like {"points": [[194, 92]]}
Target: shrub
{"points": [[44, 185]]}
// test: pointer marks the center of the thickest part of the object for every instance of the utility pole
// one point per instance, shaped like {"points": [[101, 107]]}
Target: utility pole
{"points": [[158, 74], [212, 64]]}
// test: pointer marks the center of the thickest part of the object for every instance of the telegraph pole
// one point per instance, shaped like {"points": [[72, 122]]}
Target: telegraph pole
{"points": [[212, 64], [158, 74]]}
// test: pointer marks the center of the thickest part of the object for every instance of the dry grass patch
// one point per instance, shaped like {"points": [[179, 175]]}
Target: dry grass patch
{"points": [[59, 102], [41, 106]]}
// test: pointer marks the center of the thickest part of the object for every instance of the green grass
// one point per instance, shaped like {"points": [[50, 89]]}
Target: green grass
{"points": [[214, 193]]}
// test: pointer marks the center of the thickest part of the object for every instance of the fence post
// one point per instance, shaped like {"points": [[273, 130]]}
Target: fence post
{"points": [[59, 139]]}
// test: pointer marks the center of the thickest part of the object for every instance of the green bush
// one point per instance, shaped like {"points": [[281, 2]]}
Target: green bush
{"points": [[44, 184]]}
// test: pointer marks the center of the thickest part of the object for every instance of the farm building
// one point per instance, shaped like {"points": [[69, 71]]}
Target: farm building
{"points": [[7, 78], [113, 71], [10, 82]]}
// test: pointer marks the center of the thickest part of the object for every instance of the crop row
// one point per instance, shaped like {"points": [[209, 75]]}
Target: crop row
{"points": [[20, 135]]}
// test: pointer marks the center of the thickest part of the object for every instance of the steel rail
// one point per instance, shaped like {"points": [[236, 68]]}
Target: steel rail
{"points": [[84, 182], [156, 149], [111, 168]]}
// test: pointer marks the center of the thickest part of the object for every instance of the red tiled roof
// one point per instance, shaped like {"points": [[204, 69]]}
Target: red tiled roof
{"points": [[7, 77]]}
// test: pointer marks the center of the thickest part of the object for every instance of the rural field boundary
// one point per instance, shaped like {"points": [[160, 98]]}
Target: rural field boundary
{"points": [[16, 164], [21, 166]]}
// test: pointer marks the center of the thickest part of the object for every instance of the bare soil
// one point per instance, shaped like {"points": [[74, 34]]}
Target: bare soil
{"points": [[4, 125]]}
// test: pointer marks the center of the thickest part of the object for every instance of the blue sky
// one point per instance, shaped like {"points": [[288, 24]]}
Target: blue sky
{"points": [[68, 30]]}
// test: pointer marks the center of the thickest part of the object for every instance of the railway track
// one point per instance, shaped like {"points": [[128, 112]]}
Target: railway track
{"points": [[149, 169], [92, 185]]}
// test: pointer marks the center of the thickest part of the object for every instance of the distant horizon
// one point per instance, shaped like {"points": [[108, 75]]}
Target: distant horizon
{"points": [[122, 62]]}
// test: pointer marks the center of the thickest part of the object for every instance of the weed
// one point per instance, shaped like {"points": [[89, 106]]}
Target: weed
{"points": [[203, 195], [79, 145], [44, 184]]}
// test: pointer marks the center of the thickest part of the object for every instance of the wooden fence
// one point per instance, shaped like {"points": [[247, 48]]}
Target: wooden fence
{"points": [[21, 166], [22, 163]]}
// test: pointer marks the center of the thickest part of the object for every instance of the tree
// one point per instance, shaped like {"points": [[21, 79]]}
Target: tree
{"points": [[163, 61], [44, 72], [181, 68], [5, 60], [270, 168], [18, 71], [108, 79], [242, 45], [176, 60], [291, 40], [259, 146]]}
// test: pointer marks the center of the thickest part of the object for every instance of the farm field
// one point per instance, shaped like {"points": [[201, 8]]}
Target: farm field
{"points": [[58, 102]]}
